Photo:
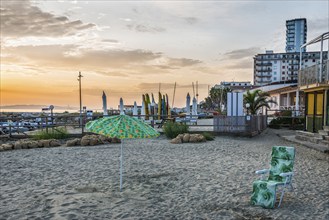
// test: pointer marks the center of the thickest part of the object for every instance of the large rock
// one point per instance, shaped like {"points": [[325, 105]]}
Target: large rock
{"points": [[186, 138], [54, 143], [85, 140], [40, 144], [45, 143], [21, 144], [104, 139], [195, 138], [176, 140], [73, 142], [115, 140], [94, 141], [7, 146], [90, 140], [24, 144], [201, 138], [18, 145], [32, 144], [180, 136]]}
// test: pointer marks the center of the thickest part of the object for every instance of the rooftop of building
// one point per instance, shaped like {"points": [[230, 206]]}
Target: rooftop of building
{"points": [[269, 52], [273, 87], [296, 19], [235, 82]]}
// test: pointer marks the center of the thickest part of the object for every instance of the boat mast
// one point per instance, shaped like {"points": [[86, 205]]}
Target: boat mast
{"points": [[173, 98]]}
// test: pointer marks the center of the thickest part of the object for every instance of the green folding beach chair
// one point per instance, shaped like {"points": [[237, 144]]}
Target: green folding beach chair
{"points": [[280, 175]]}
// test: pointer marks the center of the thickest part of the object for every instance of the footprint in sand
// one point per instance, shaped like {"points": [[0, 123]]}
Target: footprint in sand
{"points": [[86, 189]]}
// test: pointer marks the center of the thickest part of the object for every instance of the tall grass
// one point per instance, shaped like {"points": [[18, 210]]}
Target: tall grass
{"points": [[208, 136], [172, 129], [56, 133]]}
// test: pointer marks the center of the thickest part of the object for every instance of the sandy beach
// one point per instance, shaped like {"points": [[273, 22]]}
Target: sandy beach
{"points": [[211, 180]]}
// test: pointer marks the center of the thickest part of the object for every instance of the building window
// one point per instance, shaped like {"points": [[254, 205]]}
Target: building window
{"points": [[313, 60], [275, 61], [274, 78], [283, 72], [283, 61], [283, 67], [283, 78]]}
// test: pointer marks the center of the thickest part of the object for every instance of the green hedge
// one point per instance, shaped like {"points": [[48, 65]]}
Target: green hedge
{"points": [[294, 123]]}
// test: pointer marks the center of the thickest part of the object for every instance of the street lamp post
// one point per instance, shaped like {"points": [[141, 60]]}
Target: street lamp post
{"points": [[80, 115], [247, 106]]}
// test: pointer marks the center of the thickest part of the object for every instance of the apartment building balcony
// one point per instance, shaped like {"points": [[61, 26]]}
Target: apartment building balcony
{"points": [[292, 74], [263, 80], [263, 64], [263, 74], [311, 76], [264, 70]]}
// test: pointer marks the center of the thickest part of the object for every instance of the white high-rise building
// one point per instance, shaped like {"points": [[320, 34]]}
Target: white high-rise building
{"points": [[272, 67], [296, 34]]}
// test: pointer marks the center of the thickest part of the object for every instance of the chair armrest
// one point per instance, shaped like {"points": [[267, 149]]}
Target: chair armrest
{"points": [[286, 174], [262, 171], [288, 177]]}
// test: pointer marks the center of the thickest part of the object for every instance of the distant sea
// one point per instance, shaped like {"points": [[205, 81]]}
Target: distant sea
{"points": [[36, 108]]}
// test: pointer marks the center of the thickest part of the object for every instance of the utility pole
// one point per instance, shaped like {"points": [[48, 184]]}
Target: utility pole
{"points": [[80, 115]]}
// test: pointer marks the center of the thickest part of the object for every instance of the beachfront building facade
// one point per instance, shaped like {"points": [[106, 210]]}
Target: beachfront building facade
{"points": [[296, 33], [285, 96], [270, 67], [314, 82], [316, 91], [235, 86]]}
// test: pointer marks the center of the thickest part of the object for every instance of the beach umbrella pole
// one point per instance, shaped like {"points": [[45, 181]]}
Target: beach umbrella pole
{"points": [[121, 162]]}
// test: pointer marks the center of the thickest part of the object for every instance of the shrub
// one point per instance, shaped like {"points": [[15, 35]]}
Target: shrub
{"points": [[294, 123], [56, 133], [208, 136], [275, 123], [172, 129]]}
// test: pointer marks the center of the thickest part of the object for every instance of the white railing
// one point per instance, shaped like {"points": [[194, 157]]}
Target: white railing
{"points": [[312, 75]]}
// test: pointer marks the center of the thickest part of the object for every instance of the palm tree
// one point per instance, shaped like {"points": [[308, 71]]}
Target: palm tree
{"points": [[256, 100], [216, 98]]}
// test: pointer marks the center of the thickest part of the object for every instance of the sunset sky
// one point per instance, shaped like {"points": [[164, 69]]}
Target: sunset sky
{"points": [[127, 48]]}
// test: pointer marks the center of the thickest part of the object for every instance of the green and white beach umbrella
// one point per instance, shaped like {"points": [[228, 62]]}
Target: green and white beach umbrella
{"points": [[122, 127]]}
